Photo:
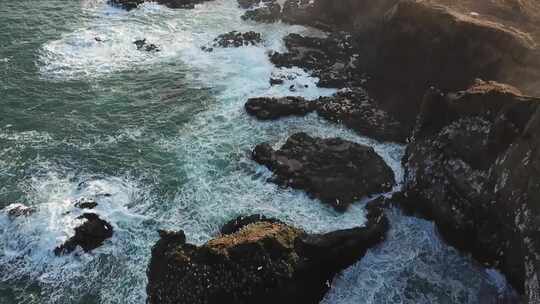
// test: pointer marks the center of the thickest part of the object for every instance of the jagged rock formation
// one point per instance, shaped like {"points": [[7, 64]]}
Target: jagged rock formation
{"points": [[257, 262], [353, 108], [336, 171], [89, 235], [473, 167]]}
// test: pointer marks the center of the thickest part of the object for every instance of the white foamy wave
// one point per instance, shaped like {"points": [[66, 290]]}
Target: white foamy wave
{"points": [[29, 241], [413, 266]]}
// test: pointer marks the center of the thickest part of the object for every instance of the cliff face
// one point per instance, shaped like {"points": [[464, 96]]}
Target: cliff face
{"points": [[473, 162], [407, 46], [472, 167]]}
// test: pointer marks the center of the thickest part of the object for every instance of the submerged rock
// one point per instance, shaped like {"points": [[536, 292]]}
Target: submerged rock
{"points": [[85, 203], [472, 167], [142, 45], [259, 262], [336, 171], [237, 39], [17, 210], [89, 235]]}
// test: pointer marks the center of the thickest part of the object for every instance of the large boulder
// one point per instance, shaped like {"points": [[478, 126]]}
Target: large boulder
{"points": [[336, 171], [269, 108], [472, 167], [89, 235], [260, 262]]}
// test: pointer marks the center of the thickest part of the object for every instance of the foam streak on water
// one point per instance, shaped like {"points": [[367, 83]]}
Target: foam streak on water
{"points": [[213, 178]]}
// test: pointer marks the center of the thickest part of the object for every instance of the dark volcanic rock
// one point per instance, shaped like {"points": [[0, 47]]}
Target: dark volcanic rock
{"points": [[262, 262], [333, 60], [142, 45], [18, 210], [357, 111], [267, 108], [471, 168], [89, 235], [132, 4], [336, 171], [269, 13], [353, 108], [237, 39]]}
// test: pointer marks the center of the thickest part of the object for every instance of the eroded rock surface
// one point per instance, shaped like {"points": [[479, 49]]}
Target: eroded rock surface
{"points": [[260, 262], [336, 171]]}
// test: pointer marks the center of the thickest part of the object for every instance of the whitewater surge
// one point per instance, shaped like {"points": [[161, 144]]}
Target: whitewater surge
{"points": [[206, 158]]}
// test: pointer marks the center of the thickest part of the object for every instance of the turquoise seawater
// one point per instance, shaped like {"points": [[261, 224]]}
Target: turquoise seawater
{"points": [[161, 141]]}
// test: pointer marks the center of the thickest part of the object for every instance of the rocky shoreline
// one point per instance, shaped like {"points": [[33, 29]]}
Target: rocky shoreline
{"points": [[452, 80]]}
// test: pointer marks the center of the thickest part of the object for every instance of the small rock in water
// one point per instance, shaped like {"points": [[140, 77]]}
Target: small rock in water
{"points": [[142, 45], [86, 203], [89, 235], [18, 210]]}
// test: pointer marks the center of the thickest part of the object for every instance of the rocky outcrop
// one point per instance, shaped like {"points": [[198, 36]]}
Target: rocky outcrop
{"points": [[269, 108], [353, 108], [133, 4], [336, 171], [259, 262], [237, 39], [356, 110], [89, 235], [333, 59], [472, 167]]}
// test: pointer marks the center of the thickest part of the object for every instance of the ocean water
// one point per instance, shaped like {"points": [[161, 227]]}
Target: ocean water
{"points": [[161, 141]]}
